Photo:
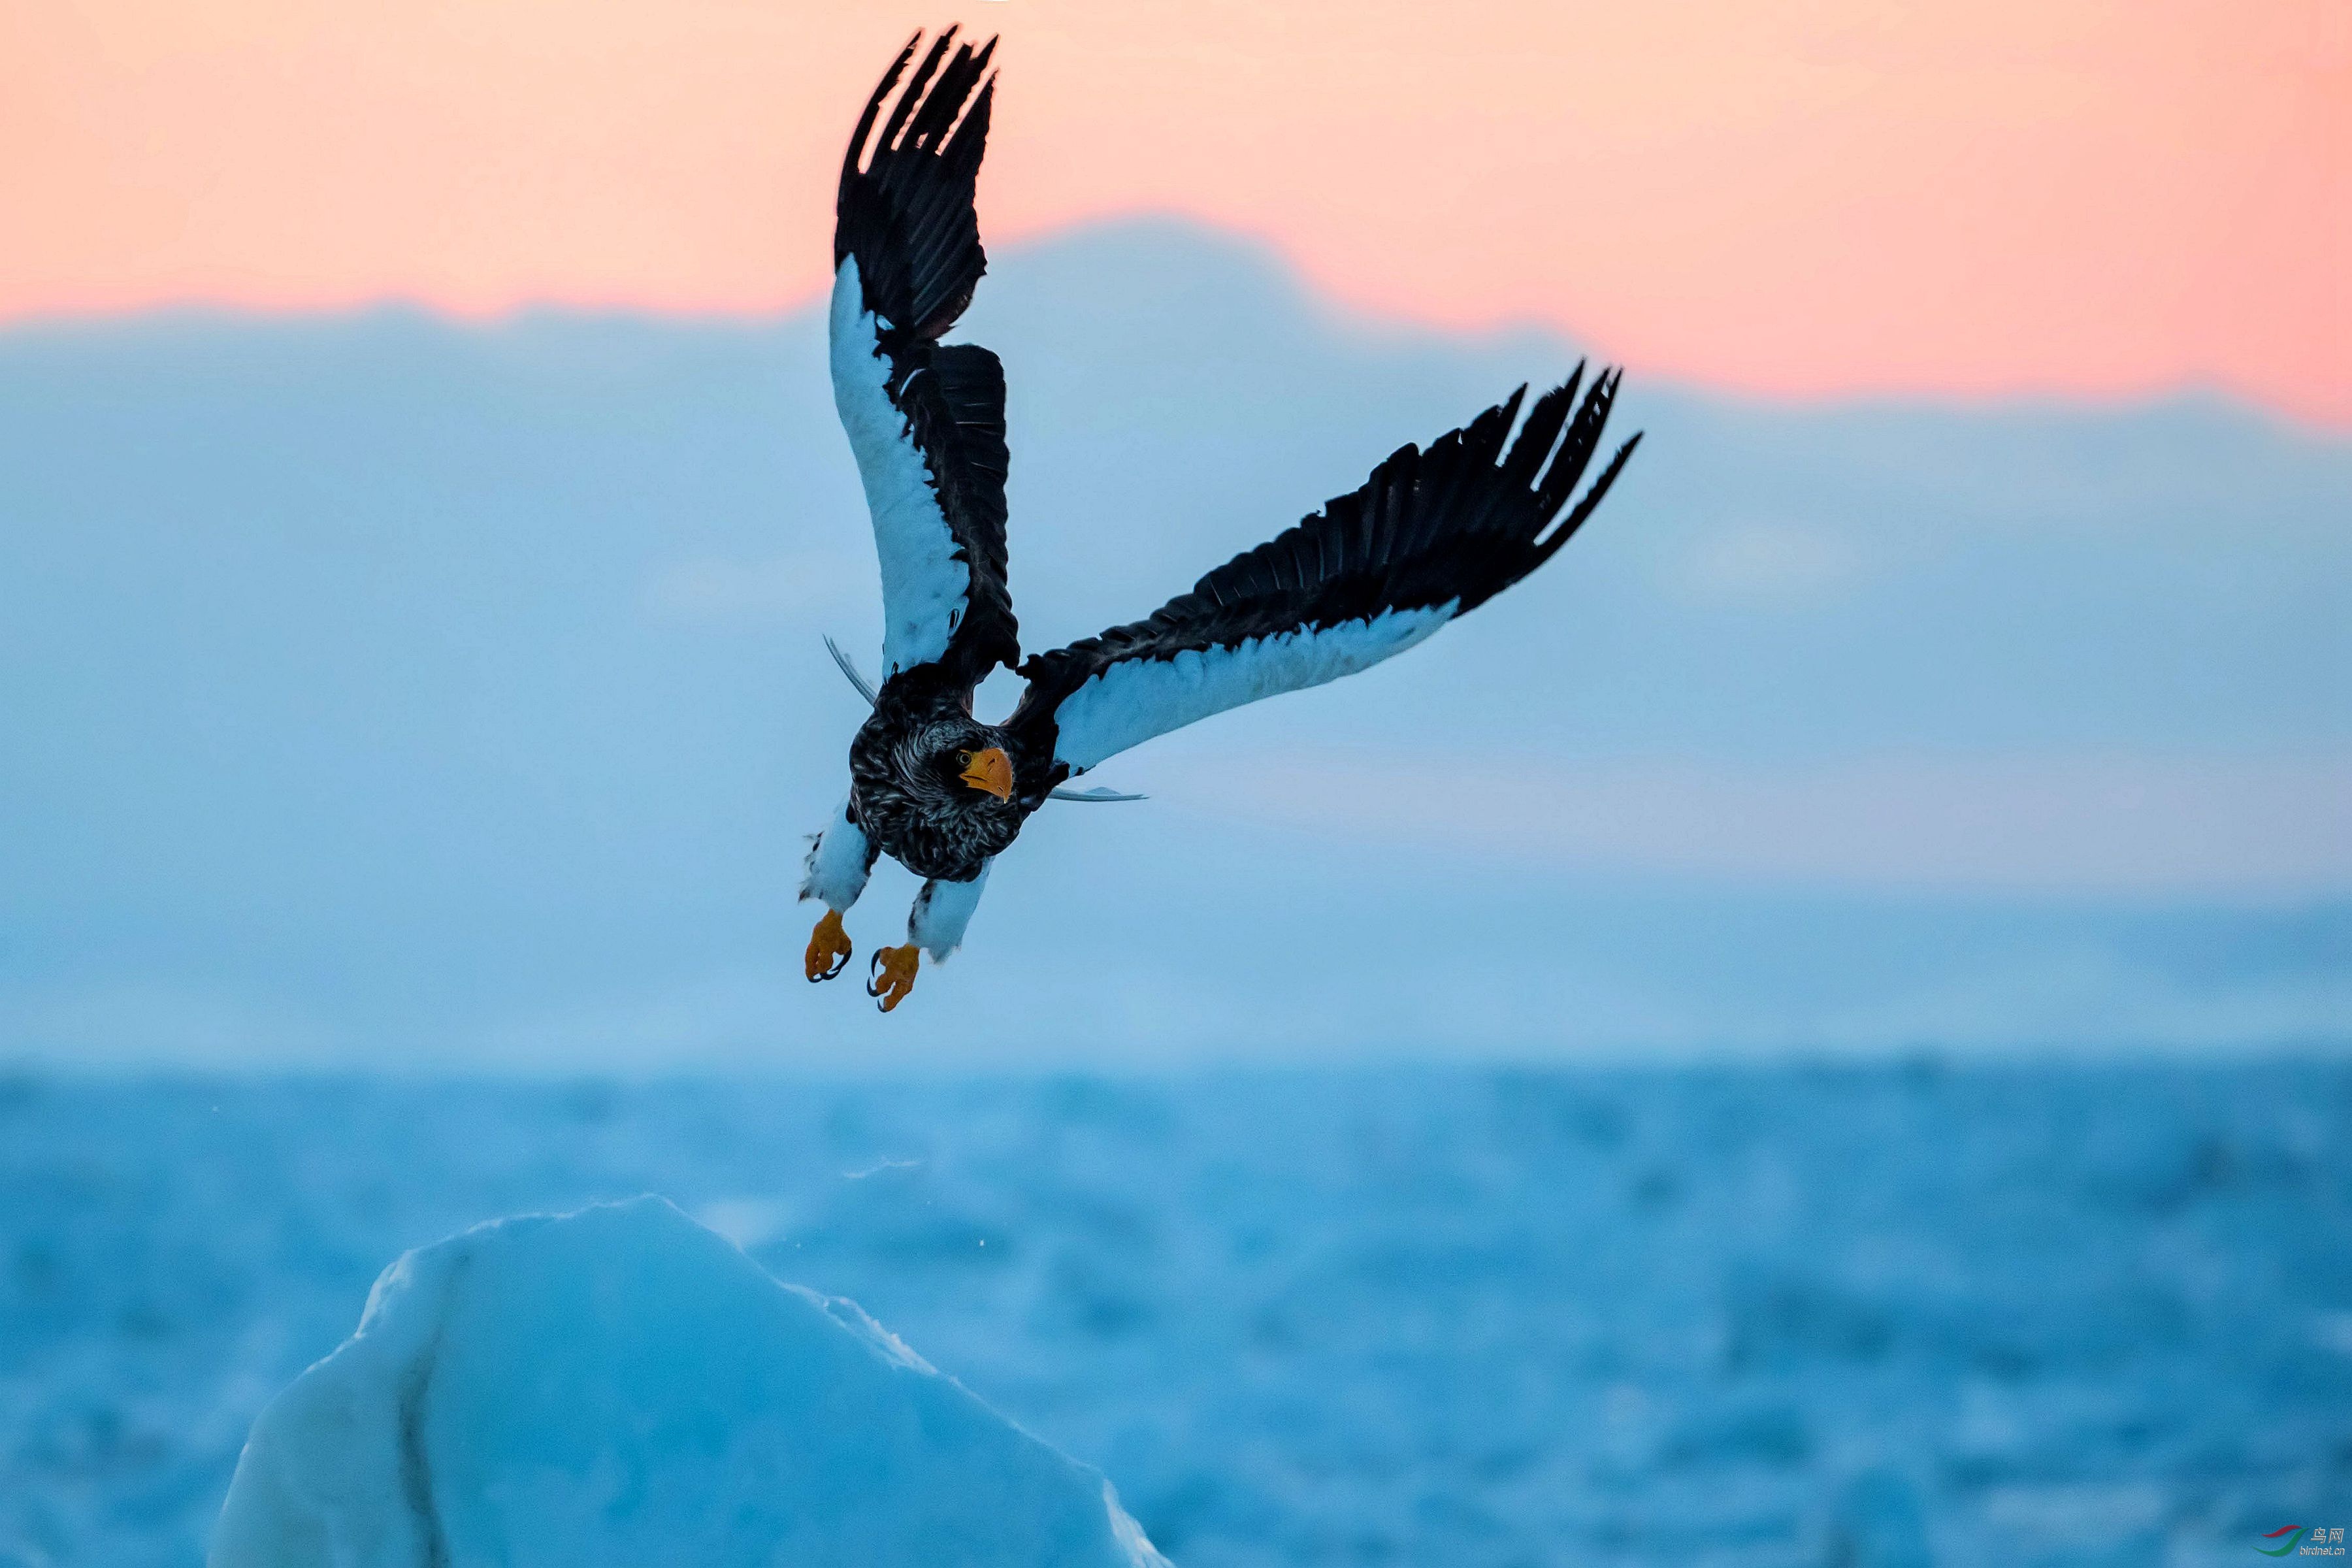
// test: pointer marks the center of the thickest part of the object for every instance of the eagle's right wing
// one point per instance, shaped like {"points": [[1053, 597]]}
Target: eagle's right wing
{"points": [[926, 419], [1430, 535]]}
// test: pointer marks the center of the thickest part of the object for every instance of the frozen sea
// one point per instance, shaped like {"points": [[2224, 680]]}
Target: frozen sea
{"points": [[1853, 1317]]}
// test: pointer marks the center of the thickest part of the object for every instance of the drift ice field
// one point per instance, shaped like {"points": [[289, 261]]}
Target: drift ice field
{"points": [[1867, 1317]]}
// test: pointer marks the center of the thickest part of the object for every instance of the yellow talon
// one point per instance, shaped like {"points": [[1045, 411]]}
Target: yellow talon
{"points": [[828, 948], [893, 974]]}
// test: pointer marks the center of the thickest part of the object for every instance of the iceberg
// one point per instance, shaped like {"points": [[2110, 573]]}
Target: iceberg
{"points": [[622, 1385]]}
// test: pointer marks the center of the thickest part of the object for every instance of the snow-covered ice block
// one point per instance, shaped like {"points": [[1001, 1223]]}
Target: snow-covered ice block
{"points": [[622, 1385]]}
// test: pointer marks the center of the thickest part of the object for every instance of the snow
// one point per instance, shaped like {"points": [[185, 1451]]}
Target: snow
{"points": [[622, 1385], [2039, 1315]]}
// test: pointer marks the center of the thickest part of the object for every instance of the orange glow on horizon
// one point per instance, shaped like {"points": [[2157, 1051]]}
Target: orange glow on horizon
{"points": [[1815, 196]]}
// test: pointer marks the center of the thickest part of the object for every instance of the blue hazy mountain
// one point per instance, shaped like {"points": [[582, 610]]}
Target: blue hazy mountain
{"points": [[383, 688]]}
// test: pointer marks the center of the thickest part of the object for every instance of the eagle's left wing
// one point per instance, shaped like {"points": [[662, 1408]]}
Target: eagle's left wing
{"points": [[1431, 534], [926, 419]]}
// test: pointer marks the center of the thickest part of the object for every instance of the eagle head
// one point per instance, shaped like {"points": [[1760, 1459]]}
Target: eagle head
{"points": [[937, 793]]}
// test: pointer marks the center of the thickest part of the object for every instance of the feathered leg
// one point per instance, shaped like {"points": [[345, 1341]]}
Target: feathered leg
{"points": [[936, 926], [840, 859]]}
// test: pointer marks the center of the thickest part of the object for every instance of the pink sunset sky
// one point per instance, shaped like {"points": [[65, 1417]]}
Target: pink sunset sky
{"points": [[2098, 197]]}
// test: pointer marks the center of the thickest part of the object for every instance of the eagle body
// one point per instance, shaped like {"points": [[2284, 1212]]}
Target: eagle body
{"points": [[1434, 532], [905, 781]]}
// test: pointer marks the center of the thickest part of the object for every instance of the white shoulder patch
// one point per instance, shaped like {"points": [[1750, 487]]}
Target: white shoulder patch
{"points": [[925, 588], [1130, 702]]}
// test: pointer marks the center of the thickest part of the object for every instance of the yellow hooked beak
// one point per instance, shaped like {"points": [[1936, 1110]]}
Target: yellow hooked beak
{"points": [[988, 769]]}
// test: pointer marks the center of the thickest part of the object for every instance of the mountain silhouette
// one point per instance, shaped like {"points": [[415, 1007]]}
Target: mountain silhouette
{"points": [[385, 689]]}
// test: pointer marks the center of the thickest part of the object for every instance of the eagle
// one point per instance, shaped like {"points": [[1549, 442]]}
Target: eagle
{"points": [[1434, 532]]}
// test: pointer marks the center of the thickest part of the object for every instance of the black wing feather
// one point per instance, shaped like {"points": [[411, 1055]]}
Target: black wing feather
{"points": [[905, 212], [1457, 524], [957, 414], [905, 206]]}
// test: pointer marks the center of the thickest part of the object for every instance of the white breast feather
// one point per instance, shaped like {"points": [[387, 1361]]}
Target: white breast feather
{"points": [[1129, 703], [924, 586]]}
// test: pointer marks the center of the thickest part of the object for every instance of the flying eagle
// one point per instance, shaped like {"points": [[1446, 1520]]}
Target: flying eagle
{"points": [[1433, 535]]}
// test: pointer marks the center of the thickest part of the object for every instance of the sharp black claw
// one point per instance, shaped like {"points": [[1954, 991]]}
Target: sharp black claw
{"points": [[892, 988], [827, 944]]}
